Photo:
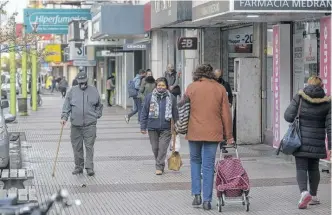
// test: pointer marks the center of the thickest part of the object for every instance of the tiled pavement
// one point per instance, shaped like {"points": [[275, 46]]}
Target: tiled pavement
{"points": [[125, 182]]}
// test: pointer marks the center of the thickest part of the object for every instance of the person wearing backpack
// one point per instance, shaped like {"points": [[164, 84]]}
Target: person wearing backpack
{"points": [[133, 89]]}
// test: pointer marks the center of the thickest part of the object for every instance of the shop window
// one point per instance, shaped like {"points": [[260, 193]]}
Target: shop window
{"points": [[240, 40]]}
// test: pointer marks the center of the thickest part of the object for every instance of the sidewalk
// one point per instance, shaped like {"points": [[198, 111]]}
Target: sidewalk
{"points": [[125, 182]]}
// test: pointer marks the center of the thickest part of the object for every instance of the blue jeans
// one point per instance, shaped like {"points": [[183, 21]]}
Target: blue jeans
{"points": [[202, 152], [137, 108]]}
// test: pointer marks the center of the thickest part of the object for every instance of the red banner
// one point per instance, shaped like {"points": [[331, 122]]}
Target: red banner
{"points": [[276, 86], [325, 54], [19, 30], [147, 17]]}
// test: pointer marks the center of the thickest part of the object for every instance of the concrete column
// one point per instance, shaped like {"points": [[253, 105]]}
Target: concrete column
{"points": [[260, 51], [127, 75], [282, 73], [191, 60], [157, 54], [90, 75], [212, 47]]}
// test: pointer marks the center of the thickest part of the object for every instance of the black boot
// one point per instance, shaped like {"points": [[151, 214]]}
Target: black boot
{"points": [[197, 200], [207, 206], [90, 172], [77, 171]]}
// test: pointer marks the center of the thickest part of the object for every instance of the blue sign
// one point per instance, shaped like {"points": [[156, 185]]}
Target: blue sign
{"points": [[52, 21]]}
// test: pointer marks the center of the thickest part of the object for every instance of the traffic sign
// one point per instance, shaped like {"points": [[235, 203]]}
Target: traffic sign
{"points": [[187, 43]]}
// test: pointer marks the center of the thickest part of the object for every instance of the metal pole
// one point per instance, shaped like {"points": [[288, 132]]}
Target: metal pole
{"points": [[34, 78], [12, 79], [24, 70]]}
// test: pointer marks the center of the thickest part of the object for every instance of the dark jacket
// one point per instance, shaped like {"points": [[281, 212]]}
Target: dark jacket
{"points": [[315, 121], [228, 89], [83, 107], [147, 86], [161, 123]]}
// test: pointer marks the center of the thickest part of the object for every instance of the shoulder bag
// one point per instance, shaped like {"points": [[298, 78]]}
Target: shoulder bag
{"points": [[291, 142]]}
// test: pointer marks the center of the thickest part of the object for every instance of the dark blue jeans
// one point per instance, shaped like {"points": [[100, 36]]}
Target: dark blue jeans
{"points": [[136, 109], [202, 157]]}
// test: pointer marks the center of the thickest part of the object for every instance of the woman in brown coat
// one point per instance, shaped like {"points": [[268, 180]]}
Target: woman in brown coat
{"points": [[209, 121]]}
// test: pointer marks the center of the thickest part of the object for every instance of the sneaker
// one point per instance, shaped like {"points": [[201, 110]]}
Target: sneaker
{"points": [[305, 199], [314, 201], [197, 200], [207, 206], [159, 172], [127, 119], [77, 171]]}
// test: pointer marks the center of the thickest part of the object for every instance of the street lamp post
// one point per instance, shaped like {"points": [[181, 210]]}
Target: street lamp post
{"points": [[34, 69]]}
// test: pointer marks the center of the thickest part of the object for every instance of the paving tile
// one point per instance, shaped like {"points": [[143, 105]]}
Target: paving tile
{"points": [[125, 182]]}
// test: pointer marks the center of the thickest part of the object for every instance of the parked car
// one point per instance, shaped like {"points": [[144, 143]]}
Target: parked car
{"points": [[4, 94], [4, 136], [5, 85]]}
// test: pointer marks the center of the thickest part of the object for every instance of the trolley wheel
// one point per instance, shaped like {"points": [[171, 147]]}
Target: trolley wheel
{"points": [[219, 205]]}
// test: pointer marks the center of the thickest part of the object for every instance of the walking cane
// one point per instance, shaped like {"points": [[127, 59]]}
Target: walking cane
{"points": [[57, 151]]}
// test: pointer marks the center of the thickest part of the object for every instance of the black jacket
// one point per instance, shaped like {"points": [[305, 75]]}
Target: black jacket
{"points": [[315, 121], [228, 89]]}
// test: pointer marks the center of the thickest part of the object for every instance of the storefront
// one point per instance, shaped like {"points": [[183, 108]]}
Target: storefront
{"points": [[254, 39], [106, 20], [167, 25]]}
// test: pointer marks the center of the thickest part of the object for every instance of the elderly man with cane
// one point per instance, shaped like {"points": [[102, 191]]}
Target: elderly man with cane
{"points": [[83, 105]]}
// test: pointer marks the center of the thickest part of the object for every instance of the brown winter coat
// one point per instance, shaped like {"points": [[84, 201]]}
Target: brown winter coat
{"points": [[210, 117]]}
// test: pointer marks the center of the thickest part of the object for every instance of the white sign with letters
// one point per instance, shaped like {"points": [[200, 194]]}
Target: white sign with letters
{"points": [[310, 51], [244, 38], [76, 51]]}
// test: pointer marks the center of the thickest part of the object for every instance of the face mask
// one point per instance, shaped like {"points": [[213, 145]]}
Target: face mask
{"points": [[161, 90], [83, 86]]}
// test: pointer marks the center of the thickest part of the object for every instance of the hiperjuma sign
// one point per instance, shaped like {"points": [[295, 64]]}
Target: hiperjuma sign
{"points": [[52, 21]]}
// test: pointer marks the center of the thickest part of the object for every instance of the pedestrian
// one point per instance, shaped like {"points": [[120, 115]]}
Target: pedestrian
{"points": [[219, 74], [209, 121], [159, 109], [173, 80], [84, 107], [133, 89], [110, 88], [315, 123], [148, 84], [63, 85], [53, 84]]}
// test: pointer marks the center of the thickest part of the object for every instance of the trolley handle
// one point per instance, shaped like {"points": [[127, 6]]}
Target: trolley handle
{"points": [[230, 146]]}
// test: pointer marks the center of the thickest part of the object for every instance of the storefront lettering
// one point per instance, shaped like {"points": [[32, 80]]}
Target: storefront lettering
{"points": [[285, 3], [325, 66], [276, 88], [211, 9]]}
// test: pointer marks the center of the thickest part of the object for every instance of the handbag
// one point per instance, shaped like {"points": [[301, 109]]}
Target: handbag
{"points": [[291, 141], [174, 161], [181, 126]]}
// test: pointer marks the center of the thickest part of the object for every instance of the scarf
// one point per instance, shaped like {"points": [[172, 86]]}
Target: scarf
{"points": [[154, 104]]}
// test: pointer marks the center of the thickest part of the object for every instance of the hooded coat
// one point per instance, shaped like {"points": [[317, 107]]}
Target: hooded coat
{"points": [[147, 86], [315, 121]]}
